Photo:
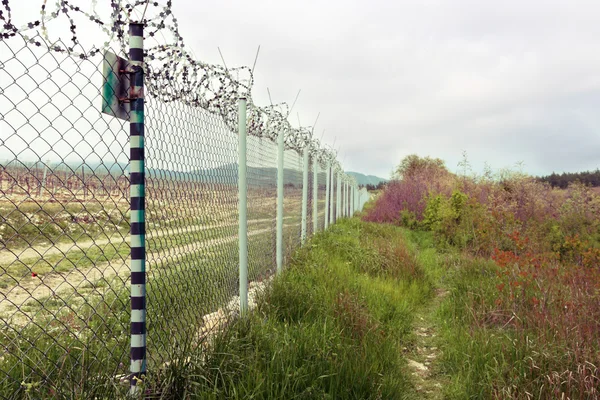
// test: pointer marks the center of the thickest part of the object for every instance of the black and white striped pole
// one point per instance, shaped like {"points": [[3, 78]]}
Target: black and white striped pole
{"points": [[137, 207]]}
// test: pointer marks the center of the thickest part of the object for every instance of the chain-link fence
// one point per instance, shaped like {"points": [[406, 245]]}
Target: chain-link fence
{"points": [[68, 222]]}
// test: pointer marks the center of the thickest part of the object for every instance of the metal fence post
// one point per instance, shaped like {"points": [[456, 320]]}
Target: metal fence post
{"points": [[243, 207], [338, 202], [315, 195], [327, 189], [280, 155], [304, 193], [331, 203], [343, 202], [137, 217], [345, 196], [352, 200], [344, 186]]}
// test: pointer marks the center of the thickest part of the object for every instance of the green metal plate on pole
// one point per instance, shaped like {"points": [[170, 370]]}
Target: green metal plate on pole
{"points": [[115, 86]]}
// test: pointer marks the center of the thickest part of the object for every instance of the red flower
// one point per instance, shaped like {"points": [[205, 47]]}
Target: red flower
{"points": [[33, 275]]}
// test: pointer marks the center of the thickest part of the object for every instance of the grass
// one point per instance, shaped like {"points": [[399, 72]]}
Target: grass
{"points": [[502, 344], [338, 323], [76, 343], [496, 352], [28, 223], [332, 326], [94, 255], [520, 263]]}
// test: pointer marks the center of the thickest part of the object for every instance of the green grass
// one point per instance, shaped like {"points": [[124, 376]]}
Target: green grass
{"points": [[30, 223], [332, 326], [94, 324], [489, 351]]}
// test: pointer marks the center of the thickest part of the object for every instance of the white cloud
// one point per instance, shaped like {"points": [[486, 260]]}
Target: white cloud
{"points": [[507, 81]]}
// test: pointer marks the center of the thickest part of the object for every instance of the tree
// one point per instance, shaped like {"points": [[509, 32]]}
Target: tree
{"points": [[413, 165]]}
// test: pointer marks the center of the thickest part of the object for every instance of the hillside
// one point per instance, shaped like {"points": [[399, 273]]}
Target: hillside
{"points": [[366, 179]]}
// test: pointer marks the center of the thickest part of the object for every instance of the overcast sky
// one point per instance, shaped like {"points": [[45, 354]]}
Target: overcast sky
{"points": [[506, 81]]}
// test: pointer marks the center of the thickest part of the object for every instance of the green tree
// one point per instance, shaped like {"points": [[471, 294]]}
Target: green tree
{"points": [[413, 165]]}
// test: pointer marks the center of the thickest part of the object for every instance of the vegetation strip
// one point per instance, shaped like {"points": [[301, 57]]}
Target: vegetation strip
{"points": [[333, 325], [521, 263]]}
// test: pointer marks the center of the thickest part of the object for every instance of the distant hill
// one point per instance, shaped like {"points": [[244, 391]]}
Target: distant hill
{"points": [[225, 173], [366, 179]]}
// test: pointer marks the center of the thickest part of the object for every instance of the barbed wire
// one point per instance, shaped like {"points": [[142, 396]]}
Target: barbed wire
{"points": [[212, 87]]}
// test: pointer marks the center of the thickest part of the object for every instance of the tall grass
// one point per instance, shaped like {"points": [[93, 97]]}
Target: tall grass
{"points": [[523, 272], [332, 326]]}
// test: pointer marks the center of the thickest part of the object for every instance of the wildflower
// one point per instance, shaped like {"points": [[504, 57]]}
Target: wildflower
{"points": [[535, 301]]}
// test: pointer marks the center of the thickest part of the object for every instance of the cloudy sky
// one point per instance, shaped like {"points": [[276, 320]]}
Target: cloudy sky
{"points": [[506, 81]]}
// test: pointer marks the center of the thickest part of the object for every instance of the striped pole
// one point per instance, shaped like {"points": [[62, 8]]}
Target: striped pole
{"points": [[243, 205], [137, 218]]}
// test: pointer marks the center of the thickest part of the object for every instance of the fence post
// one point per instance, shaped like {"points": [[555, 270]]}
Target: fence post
{"points": [[327, 202], [343, 202], [304, 193], [352, 200], [332, 190], [315, 195], [243, 207], [345, 196], [280, 155], [43, 183], [137, 217], [338, 202]]}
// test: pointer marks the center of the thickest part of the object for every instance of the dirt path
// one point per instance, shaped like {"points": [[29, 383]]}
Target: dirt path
{"points": [[64, 286], [422, 356], [34, 253]]}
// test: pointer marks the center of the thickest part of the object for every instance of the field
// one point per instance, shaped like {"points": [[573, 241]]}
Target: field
{"points": [[64, 270]]}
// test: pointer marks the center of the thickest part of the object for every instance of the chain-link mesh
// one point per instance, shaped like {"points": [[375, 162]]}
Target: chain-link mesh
{"points": [[262, 207], [191, 224], [292, 202], [64, 227], [65, 218], [321, 195]]}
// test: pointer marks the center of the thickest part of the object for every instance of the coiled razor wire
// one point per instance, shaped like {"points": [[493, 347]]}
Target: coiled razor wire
{"points": [[168, 65]]}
